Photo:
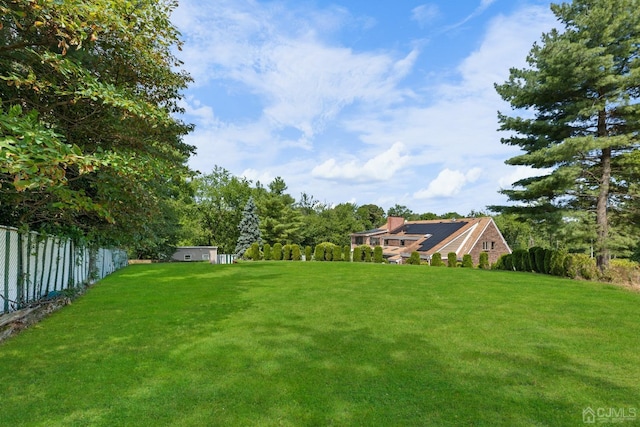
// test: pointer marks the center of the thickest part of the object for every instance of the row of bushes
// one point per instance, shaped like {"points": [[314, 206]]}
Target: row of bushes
{"points": [[330, 252], [452, 260], [549, 261]]}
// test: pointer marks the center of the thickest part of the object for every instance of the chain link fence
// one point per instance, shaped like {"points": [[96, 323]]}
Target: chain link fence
{"points": [[34, 266]]}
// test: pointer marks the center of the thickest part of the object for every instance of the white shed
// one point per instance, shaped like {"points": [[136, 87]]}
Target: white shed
{"points": [[196, 253]]}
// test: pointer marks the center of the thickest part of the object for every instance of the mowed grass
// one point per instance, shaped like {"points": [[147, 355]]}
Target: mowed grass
{"points": [[299, 344]]}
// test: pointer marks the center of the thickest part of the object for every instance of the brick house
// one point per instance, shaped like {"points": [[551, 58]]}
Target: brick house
{"points": [[399, 238]]}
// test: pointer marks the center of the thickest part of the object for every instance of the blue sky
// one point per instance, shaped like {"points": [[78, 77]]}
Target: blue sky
{"points": [[385, 102]]}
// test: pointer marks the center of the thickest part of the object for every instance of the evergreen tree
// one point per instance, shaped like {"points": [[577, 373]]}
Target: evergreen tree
{"points": [[249, 228], [579, 124]]}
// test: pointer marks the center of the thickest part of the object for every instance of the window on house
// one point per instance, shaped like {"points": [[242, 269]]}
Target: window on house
{"points": [[359, 240], [375, 241], [205, 256], [401, 242], [187, 257], [493, 245], [485, 246]]}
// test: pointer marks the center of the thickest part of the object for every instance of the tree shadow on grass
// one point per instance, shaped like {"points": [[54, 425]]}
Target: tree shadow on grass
{"points": [[283, 374]]}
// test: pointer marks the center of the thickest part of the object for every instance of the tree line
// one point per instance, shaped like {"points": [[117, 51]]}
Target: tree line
{"points": [[91, 143]]}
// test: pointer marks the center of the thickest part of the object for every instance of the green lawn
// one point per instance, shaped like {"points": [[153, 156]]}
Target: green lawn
{"points": [[326, 344]]}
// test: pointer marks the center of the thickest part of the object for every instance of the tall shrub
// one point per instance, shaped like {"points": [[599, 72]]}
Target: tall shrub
{"points": [[346, 253], [467, 261], [452, 259], [337, 253], [557, 263], [548, 254], [308, 253], [436, 260], [357, 254], [366, 253], [254, 251], [277, 252], [319, 252], [267, 251], [483, 261], [377, 255], [296, 255], [414, 258], [541, 254], [328, 251], [286, 253]]}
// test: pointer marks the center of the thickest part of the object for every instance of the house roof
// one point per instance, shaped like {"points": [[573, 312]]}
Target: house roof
{"points": [[429, 237]]}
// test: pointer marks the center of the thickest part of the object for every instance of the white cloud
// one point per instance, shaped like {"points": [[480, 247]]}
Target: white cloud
{"points": [[448, 183], [425, 14], [308, 91], [520, 172], [381, 167], [253, 175], [283, 58]]}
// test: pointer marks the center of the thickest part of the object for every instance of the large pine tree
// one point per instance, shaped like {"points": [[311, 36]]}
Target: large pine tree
{"points": [[249, 228], [579, 116]]}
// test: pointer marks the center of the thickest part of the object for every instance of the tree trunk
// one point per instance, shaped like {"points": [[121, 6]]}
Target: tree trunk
{"points": [[602, 223]]}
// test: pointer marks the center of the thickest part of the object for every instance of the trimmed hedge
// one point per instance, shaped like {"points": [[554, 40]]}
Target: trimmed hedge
{"points": [[337, 253], [467, 261], [347, 253], [308, 253], [484, 261], [452, 259], [549, 261], [414, 259], [296, 255], [377, 255], [286, 253], [436, 260], [254, 251], [276, 254], [267, 252], [357, 254]]}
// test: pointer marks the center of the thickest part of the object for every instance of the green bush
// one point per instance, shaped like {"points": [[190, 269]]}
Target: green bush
{"points": [[328, 253], [357, 254], [534, 253], [346, 253], [467, 261], [377, 255], [541, 254], [483, 261], [324, 251], [276, 255], [267, 252], [507, 261], [499, 264], [414, 259], [308, 253], [452, 259], [254, 251], [319, 253], [520, 259], [366, 253], [548, 253], [436, 260], [295, 253], [623, 271], [337, 253], [286, 253], [557, 263]]}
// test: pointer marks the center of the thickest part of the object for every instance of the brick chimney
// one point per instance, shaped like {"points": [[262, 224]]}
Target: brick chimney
{"points": [[394, 222]]}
